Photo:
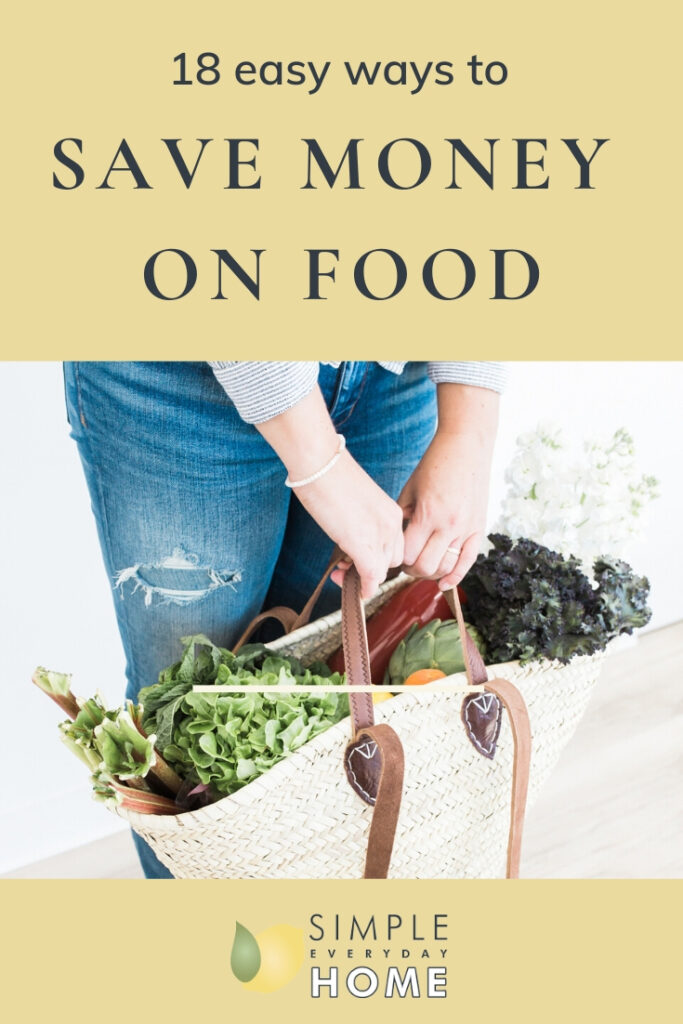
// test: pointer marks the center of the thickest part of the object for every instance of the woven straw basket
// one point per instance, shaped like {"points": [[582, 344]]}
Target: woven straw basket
{"points": [[301, 819]]}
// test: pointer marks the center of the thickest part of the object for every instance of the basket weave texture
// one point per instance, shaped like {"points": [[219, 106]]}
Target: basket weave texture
{"points": [[302, 820]]}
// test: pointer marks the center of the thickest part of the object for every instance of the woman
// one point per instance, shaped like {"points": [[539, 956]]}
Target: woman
{"points": [[219, 489]]}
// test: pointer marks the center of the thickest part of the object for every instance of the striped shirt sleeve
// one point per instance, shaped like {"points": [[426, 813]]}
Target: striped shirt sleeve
{"points": [[262, 390], [480, 375]]}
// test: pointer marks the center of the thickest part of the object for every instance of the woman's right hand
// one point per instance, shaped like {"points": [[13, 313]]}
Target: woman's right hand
{"points": [[360, 517], [345, 502]]}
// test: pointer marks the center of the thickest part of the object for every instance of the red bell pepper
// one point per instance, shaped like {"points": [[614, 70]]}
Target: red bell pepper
{"points": [[419, 602]]}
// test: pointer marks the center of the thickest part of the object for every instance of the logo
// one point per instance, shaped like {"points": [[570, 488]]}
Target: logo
{"points": [[267, 961], [384, 955]]}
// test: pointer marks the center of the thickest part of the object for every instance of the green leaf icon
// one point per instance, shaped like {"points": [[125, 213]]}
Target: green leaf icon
{"points": [[245, 958]]}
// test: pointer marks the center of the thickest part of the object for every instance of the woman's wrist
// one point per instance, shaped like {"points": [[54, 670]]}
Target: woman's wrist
{"points": [[303, 437], [324, 469], [465, 447]]}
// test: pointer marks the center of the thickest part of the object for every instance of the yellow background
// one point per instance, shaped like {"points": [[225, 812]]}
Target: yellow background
{"points": [[533, 952], [75, 259]]}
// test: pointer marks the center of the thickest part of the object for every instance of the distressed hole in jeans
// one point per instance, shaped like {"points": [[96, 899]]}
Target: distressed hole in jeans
{"points": [[176, 579]]}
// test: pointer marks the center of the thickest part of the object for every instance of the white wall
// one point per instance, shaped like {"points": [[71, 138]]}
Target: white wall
{"points": [[56, 606]]}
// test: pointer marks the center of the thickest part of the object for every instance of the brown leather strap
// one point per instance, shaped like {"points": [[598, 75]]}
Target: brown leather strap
{"points": [[387, 801], [356, 655], [475, 669], [358, 673], [285, 616], [521, 735], [304, 617], [514, 704]]}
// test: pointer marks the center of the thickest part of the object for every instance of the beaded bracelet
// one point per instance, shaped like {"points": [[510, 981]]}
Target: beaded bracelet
{"points": [[321, 472]]}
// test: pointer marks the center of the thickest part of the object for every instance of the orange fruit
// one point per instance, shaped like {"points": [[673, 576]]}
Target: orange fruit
{"points": [[424, 675]]}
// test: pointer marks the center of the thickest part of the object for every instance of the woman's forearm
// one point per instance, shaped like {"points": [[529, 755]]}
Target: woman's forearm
{"points": [[345, 502], [469, 411], [303, 437]]}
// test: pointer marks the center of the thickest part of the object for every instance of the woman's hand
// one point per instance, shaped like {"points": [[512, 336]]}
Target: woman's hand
{"points": [[446, 497], [360, 517], [345, 502]]}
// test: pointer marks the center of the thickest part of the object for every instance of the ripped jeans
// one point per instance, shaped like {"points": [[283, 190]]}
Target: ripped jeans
{"points": [[198, 531]]}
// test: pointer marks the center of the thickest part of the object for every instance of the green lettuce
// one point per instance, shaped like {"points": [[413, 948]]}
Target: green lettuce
{"points": [[226, 740]]}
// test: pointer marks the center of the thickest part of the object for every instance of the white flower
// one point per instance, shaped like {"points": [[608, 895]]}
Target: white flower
{"points": [[588, 504]]}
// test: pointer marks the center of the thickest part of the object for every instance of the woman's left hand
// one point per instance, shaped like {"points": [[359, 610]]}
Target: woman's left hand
{"points": [[445, 502], [446, 497]]}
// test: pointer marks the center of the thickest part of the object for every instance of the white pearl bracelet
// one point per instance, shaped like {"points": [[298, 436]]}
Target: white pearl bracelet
{"points": [[321, 472]]}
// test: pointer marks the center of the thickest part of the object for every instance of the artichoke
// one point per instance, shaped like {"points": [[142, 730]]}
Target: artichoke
{"points": [[436, 645]]}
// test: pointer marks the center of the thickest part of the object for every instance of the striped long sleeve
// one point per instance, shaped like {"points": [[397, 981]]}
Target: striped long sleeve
{"points": [[262, 390]]}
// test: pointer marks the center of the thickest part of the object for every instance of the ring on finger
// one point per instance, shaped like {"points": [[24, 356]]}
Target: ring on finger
{"points": [[454, 551]]}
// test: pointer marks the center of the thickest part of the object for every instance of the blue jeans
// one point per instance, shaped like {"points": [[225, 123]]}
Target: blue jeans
{"points": [[198, 531]]}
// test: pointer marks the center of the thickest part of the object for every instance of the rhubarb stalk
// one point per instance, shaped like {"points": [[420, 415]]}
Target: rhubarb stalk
{"points": [[57, 686]]}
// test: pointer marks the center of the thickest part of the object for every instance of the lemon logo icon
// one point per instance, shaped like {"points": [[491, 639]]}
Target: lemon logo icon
{"points": [[269, 960]]}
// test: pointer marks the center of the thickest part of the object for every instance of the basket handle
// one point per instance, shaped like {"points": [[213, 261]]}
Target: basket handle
{"points": [[475, 669], [373, 760], [357, 655], [518, 714], [287, 617], [304, 616], [387, 803], [384, 765]]}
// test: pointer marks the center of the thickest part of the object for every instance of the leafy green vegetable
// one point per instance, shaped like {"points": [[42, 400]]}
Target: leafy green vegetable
{"points": [[529, 602], [53, 683], [624, 596], [126, 753], [112, 745], [79, 735], [227, 740], [57, 685], [86, 752], [103, 788]]}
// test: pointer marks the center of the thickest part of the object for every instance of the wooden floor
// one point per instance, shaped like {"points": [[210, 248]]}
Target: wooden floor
{"points": [[612, 809]]}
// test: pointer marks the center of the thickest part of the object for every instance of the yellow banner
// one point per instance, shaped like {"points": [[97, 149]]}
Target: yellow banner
{"points": [[373, 179], [533, 952]]}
